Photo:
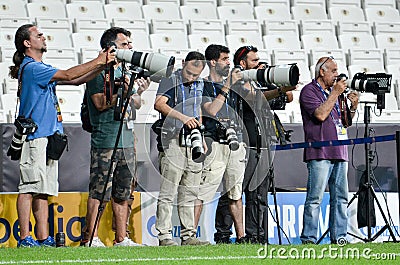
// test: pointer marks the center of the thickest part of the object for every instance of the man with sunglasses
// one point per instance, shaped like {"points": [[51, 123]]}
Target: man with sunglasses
{"points": [[322, 120], [247, 58]]}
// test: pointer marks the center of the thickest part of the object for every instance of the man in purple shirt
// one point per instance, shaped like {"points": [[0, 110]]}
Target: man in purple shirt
{"points": [[322, 121]]}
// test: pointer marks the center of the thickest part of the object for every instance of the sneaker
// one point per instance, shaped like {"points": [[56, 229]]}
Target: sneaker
{"points": [[48, 242], [167, 242], [127, 242], [242, 240], [96, 243], [192, 241], [28, 242]]}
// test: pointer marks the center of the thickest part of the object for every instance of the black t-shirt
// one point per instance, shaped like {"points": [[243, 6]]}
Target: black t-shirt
{"points": [[228, 112]]}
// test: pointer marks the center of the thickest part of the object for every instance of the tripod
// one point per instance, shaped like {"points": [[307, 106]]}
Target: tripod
{"points": [[113, 164], [262, 123], [369, 189]]}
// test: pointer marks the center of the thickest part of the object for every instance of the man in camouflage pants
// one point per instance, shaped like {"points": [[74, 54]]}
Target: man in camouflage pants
{"points": [[103, 139]]}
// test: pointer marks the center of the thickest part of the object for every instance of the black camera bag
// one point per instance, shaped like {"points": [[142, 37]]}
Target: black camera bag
{"points": [[85, 117], [56, 145]]}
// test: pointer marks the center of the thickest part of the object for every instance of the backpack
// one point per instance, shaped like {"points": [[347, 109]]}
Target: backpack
{"points": [[85, 117]]}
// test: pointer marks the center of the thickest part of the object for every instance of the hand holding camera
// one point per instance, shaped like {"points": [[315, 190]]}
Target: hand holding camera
{"points": [[107, 56]]}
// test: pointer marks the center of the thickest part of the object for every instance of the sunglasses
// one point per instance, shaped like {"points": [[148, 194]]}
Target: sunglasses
{"points": [[245, 50], [330, 57]]}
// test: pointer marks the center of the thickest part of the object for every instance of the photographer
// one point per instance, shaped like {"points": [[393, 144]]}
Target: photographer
{"points": [[38, 102], [228, 155], [322, 116], [256, 200], [178, 100], [103, 137]]}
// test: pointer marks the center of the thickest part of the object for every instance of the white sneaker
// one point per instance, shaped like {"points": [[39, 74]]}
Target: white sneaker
{"points": [[96, 243], [127, 242]]}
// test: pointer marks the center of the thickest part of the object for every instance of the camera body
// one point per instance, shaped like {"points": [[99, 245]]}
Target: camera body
{"points": [[193, 138], [25, 125], [226, 131]]}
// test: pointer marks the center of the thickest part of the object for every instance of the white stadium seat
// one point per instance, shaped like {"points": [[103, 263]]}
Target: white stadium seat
{"points": [[133, 25], [174, 40], [366, 57], [388, 40], [161, 11], [319, 40], [86, 39], [123, 10], [280, 26], [88, 24], [12, 8], [316, 26], [382, 14], [239, 11], [240, 26], [198, 11], [346, 13], [307, 12], [48, 9], [331, 3], [379, 3], [272, 12], [88, 9], [202, 40], [168, 25], [355, 40], [281, 41], [209, 25], [235, 41], [344, 27]]}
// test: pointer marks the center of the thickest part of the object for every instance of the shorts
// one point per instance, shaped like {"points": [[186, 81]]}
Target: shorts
{"points": [[38, 175], [222, 163], [120, 180]]}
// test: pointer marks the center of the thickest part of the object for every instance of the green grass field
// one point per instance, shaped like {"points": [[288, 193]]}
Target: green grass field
{"points": [[215, 254]]}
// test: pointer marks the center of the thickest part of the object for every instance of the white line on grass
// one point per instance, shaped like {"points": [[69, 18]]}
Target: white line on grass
{"points": [[126, 260]]}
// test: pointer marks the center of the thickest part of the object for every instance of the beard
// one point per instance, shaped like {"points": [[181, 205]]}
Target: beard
{"points": [[222, 71], [43, 49]]}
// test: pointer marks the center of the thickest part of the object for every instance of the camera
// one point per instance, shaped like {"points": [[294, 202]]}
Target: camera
{"points": [[227, 134], [378, 83], [25, 125], [194, 138], [281, 75], [15, 149], [155, 63]]}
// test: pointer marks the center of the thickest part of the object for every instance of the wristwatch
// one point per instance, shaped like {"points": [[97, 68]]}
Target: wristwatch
{"points": [[223, 93]]}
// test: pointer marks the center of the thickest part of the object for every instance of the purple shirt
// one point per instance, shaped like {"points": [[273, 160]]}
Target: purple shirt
{"points": [[311, 97]]}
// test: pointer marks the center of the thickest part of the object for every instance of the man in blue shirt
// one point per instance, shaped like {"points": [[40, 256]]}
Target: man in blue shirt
{"points": [[178, 100], [38, 101]]}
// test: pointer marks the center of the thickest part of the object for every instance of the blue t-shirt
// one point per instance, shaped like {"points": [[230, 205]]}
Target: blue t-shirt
{"points": [[311, 98], [38, 98]]}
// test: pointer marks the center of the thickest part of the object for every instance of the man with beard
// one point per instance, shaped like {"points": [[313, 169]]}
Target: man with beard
{"points": [[255, 177], [226, 158], [38, 101], [178, 100]]}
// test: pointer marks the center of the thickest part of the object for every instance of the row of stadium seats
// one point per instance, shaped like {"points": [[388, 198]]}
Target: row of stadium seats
{"points": [[165, 10]]}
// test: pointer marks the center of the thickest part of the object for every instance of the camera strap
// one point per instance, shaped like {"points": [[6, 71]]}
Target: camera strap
{"points": [[108, 83], [20, 87]]}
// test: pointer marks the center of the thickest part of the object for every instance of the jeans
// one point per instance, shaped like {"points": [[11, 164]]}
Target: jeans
{"points": [[321, 173]]}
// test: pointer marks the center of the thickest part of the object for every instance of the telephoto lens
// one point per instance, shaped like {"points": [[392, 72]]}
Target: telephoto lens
{"points": [[232, 139], [196, 139], [60, 239]]}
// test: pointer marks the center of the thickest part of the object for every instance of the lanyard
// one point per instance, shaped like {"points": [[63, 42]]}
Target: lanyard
{"points": [[325, 95], [226, 100], [184, 98]]}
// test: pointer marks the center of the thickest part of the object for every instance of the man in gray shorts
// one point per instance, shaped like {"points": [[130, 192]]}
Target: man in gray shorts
{"points": [[38, 101], [225, 159]]}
